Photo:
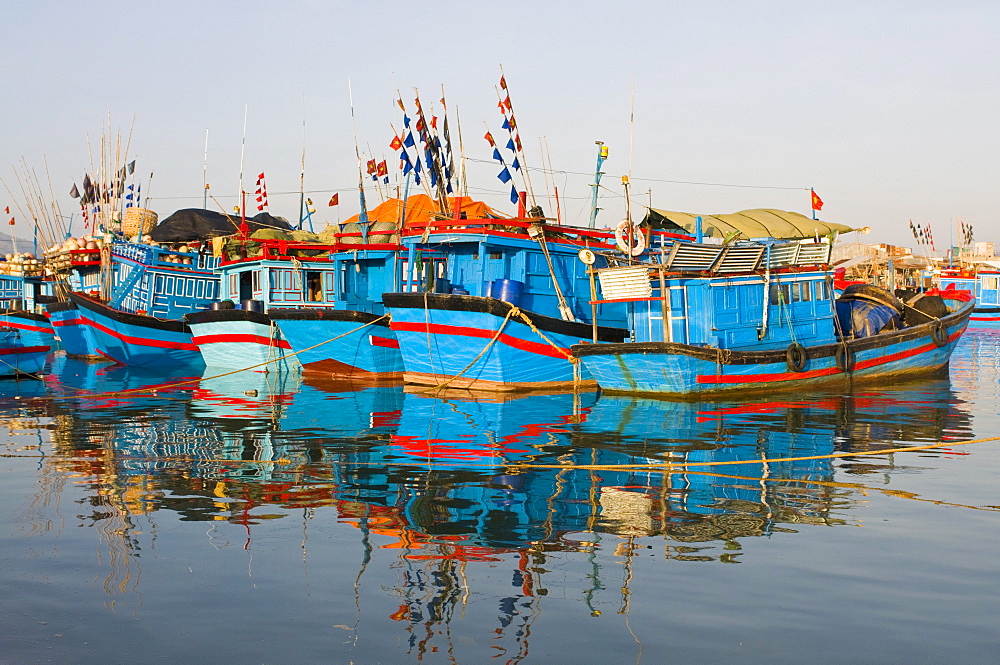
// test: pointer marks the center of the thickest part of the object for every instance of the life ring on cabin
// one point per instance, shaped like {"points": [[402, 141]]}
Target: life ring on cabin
{"points": [[796, 357], [938, 334], [630, 238], [844, 358]]}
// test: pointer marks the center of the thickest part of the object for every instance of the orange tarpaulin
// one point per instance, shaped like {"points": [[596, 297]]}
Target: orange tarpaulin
{"points": [[421, 208]]}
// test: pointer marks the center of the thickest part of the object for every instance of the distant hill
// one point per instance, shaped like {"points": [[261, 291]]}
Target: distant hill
{"points": [[23, 245]]}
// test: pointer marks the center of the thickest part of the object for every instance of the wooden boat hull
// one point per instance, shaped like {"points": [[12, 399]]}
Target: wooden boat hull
{"points": [[338, 343], [137, 339], [457, 339], [75, 336], [670, 369], [237, 339]]}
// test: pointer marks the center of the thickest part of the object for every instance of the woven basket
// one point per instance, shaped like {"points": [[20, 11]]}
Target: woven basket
{"points": [[138, 221]]}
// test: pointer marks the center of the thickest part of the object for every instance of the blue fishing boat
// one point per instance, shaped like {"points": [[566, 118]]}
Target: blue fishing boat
{"points": [[984, 285], [761, 315], [305, 305], [23, 293], [151, 287], [136, 320], [496, 303]]}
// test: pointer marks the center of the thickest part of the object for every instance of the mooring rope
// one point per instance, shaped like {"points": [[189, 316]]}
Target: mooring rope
{"points": [[162, 386]]}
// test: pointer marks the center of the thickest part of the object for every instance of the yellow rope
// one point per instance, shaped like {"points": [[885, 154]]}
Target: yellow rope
{"points": [[688, 465], [531, 324], [472, 362], [161, 386]]}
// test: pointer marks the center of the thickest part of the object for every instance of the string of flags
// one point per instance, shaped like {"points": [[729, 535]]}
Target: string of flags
{"points": [[261, 193], [966, 232], [7, 210], [434, 158], [922, 234]]}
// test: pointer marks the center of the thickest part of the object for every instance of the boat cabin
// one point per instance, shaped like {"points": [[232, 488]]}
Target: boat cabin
{"points": [[764, 295], [161, 281], [293, 275]]}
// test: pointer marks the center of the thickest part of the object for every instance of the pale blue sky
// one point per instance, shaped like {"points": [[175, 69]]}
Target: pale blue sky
{"points": [[888, 109]]}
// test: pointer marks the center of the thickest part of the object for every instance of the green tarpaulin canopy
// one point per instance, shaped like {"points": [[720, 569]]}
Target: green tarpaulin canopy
{"points": [[757, 223]]}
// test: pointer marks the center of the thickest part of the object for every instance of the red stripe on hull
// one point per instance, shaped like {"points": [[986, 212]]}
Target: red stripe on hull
{"points": [[202, 340], [142, 341], [792, 376], [538, 348]]}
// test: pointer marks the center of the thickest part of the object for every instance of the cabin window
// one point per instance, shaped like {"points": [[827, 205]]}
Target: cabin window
{"points": [[991, 283], [772, 294], [255, 283], [234, 285], [821, 290], [805, 291], [314, 285], [496, 255]]}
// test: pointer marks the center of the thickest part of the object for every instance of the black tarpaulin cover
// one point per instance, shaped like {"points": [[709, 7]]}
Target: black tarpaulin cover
{"points": [[198, 224]]}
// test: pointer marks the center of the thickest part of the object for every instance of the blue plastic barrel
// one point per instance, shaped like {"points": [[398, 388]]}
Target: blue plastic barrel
{"points": [[508, 290], [488, 289], [442, 285]]}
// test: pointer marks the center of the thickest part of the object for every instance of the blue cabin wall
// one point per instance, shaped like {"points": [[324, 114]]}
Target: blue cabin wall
{"points": [[727, 313], [470, 266], [350, 280], [144, 281]]}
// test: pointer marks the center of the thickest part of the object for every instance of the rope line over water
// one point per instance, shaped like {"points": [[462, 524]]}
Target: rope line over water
{"points": [[174, 384]]}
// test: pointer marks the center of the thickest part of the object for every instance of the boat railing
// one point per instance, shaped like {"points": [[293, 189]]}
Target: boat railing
{"points": [[292, 250]]}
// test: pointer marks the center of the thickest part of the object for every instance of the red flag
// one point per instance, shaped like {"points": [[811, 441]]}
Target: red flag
{"points": [[502, 108], [420, 125], [489, 137], [260, 177], [334, 200], [383, 169], [396, 143], [401, 107], [372, 167], [506, 102], [11, 222], [434, 121], [817, 202], [503, 83], [517, 140]]}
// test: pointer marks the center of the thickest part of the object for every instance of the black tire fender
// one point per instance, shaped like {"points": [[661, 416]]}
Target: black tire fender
{"points": [[844, 357], [796, 357], [938, 333]]}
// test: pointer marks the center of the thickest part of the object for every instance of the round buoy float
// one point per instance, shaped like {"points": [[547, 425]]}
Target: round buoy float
{"points": [[630, 238]]}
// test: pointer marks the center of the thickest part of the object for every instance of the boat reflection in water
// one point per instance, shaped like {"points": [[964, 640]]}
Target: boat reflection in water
{"points": [[438, 483]]}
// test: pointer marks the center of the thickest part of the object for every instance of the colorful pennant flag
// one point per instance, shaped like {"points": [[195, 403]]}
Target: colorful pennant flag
{"points": [[396, 144], [261, 193]]}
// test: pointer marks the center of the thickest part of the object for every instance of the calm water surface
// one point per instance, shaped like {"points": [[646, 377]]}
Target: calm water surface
{"points": [[256, 519]]}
